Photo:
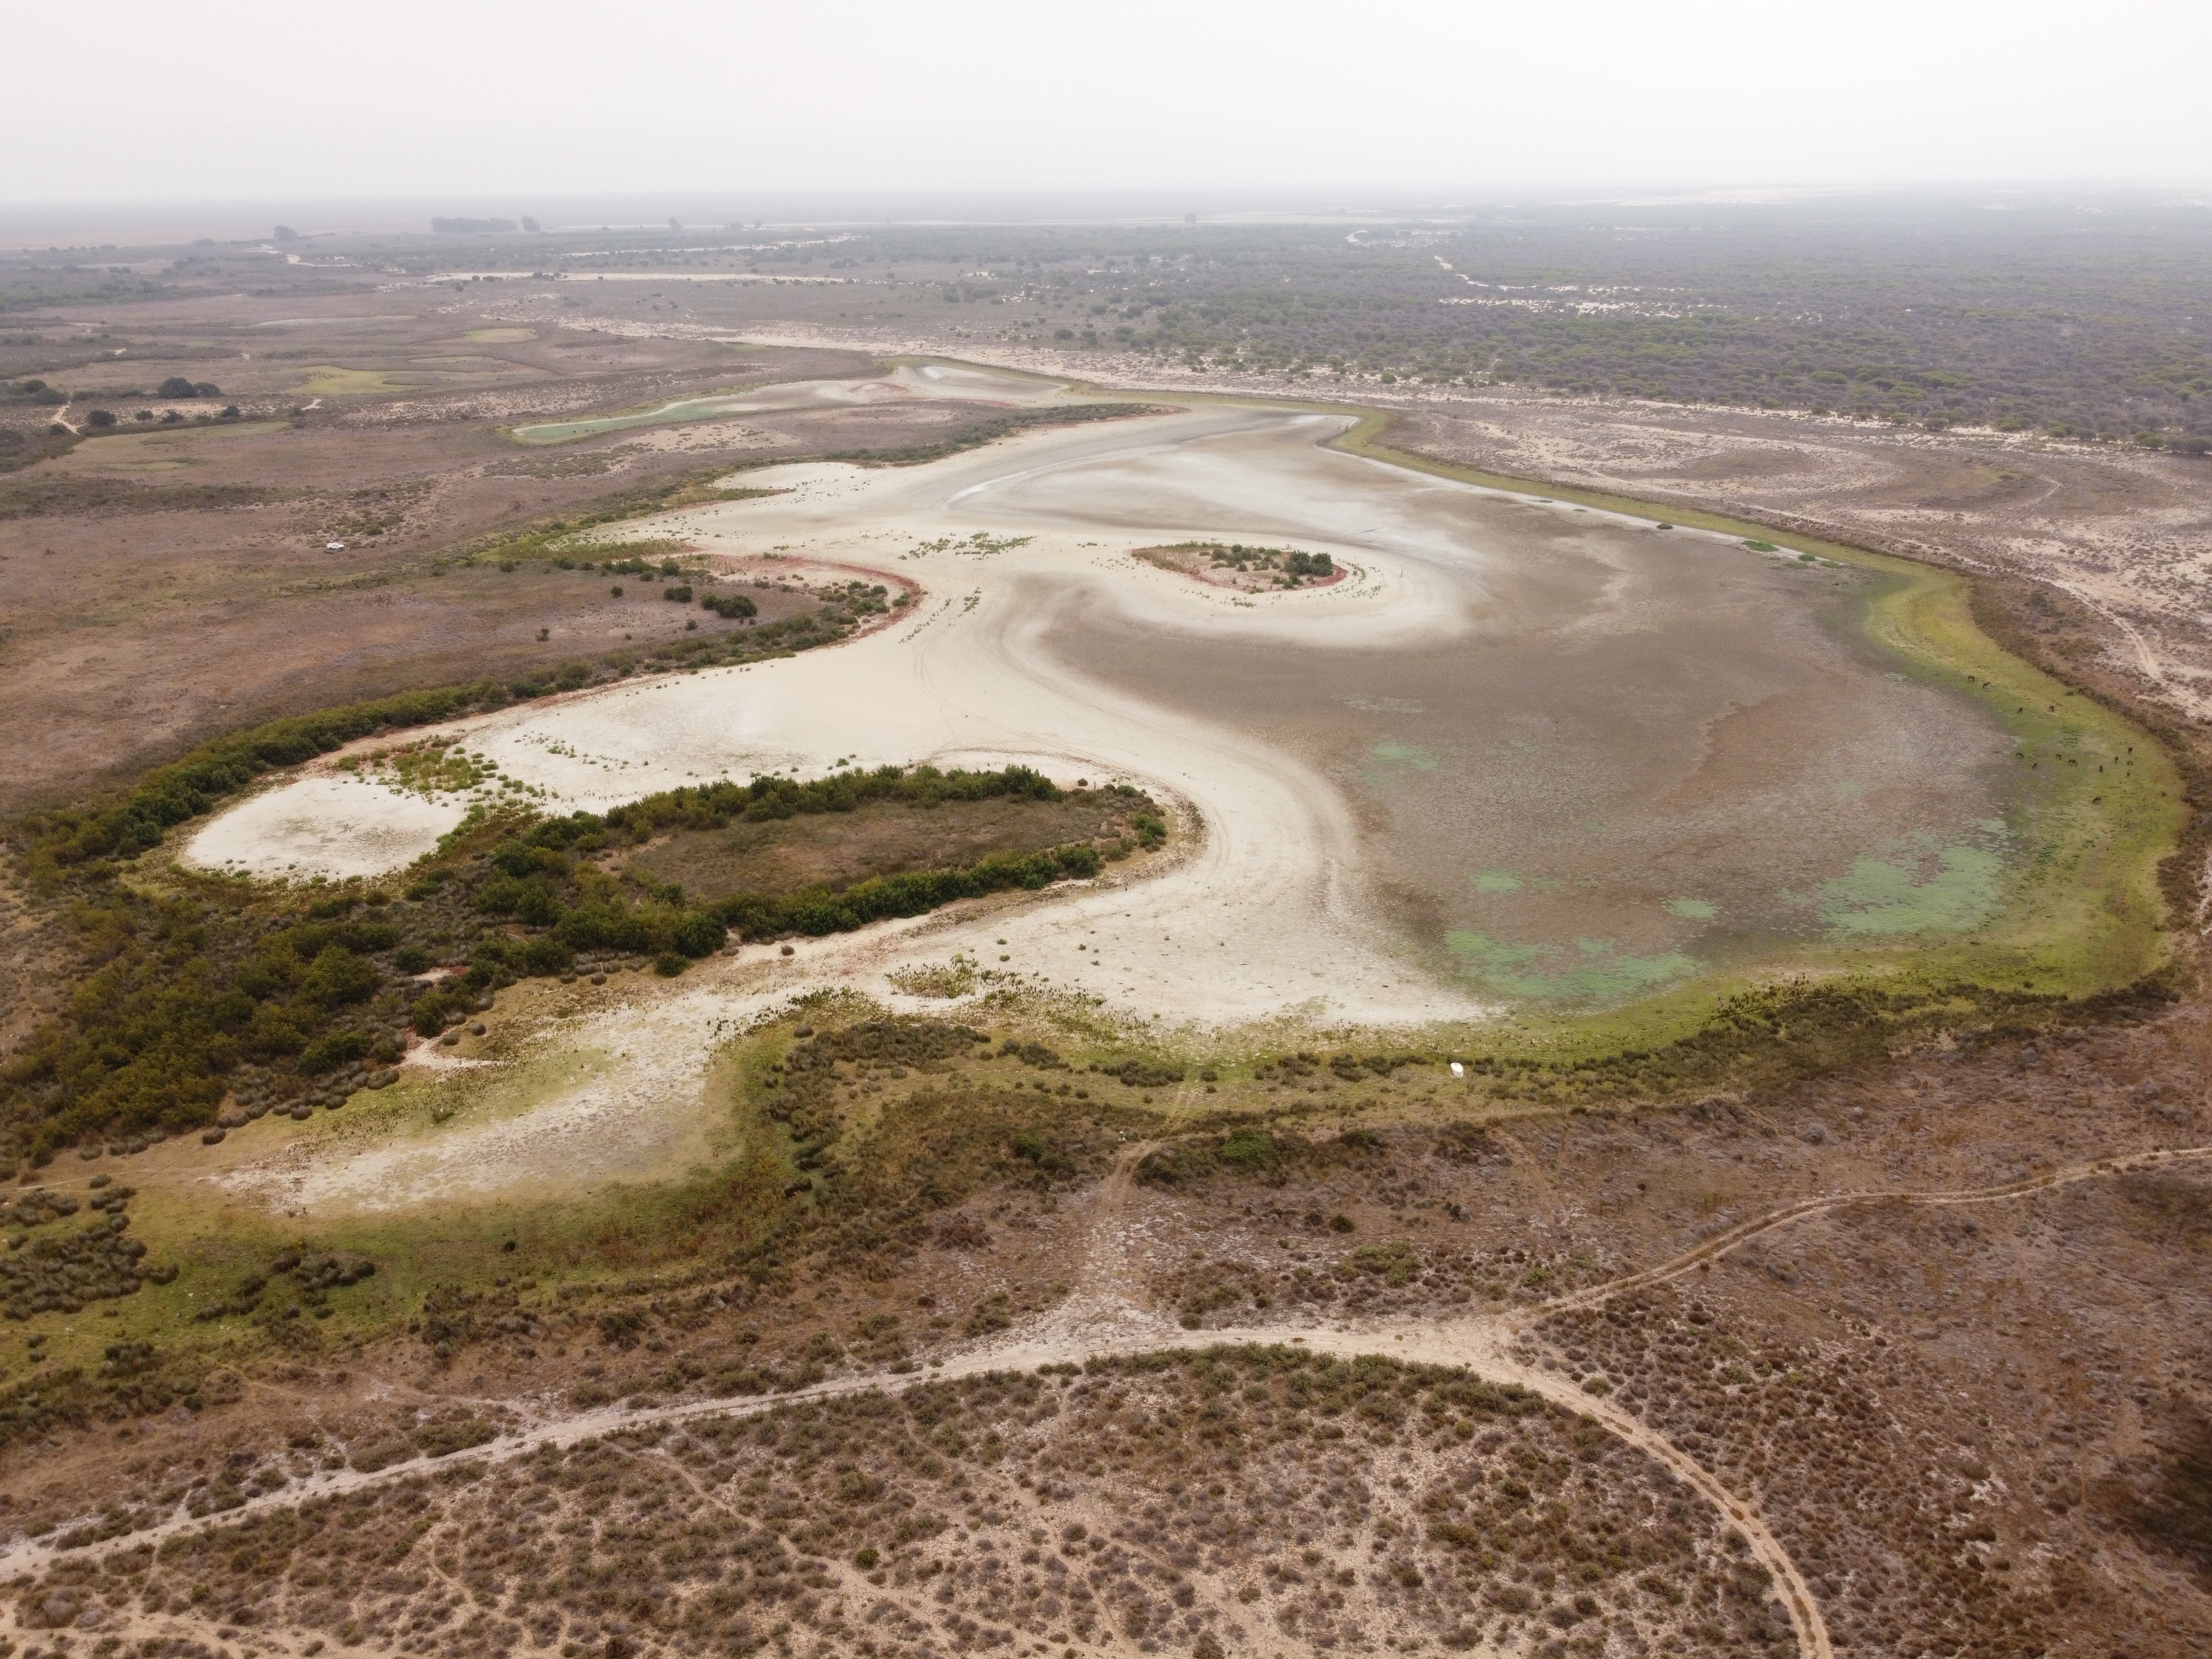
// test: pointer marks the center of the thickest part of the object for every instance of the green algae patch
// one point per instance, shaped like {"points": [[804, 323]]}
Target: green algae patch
{"points": [[1593, 971], [1881, 897], [1691, 910], [1495, 881], [1410, 756], [2070, 905]]}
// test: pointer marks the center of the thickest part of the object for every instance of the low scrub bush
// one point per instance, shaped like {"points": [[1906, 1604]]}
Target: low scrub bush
{"points": [[193, 989]]}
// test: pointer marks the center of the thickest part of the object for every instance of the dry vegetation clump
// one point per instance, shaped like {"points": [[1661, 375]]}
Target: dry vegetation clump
{"points": [[1920, 1524], [767, 854], [858, 847], [223, 1472], [1239, 1501], [48, 1268], [1312, 1282], [877, 1168], [1364, 1222]]}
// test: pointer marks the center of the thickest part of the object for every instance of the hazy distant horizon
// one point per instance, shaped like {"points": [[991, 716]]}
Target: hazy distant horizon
{"points": [[36, 225], [248, 101]]}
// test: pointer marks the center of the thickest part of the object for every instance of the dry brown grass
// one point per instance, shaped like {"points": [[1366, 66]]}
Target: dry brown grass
{"points": [[1247, 1501], [879, 839]]}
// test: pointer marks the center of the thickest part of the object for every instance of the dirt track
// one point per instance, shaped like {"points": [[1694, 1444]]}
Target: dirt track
{"points": [[1100, 1318]]}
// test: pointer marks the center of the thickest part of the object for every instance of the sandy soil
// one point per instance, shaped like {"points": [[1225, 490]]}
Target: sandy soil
{"points": [[609, 1090], [907, 384], [338, 824]]}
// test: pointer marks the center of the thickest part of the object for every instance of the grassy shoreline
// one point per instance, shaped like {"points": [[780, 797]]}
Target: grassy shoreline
{"points": [[2093, 842], [2085, 910]]}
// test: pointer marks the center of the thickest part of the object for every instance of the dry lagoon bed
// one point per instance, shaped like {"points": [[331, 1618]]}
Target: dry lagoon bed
{"points": [[1524, 753], [1524, 749]]}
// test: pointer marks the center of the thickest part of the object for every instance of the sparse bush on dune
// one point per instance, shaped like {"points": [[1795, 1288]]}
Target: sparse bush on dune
{"points": [[1246, 1500], [1268, 567]]}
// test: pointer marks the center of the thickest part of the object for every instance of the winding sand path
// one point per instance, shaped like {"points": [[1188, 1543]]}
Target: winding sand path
{"points": [[1261, 921], [1102, 1318]]}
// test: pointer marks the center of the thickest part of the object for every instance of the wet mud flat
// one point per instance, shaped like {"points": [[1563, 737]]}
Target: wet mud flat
{"points": [[1642, 754]]}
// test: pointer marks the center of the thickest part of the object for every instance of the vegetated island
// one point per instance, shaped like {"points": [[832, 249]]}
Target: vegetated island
{"points": [[1245, 569]]}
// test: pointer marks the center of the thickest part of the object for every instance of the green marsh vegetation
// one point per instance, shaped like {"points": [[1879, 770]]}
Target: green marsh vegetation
{"points": [[845, 1137], [200, 986]]}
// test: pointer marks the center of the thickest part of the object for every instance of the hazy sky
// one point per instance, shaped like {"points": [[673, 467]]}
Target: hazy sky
{"points": [[485, 102]]}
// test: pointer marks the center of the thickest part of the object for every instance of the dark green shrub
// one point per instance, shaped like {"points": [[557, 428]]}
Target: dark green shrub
{"points": [[338, 975], [697, 934], [1250, 1150], [327, 1053]]}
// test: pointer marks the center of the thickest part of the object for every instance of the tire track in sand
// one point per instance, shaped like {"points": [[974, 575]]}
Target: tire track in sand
{"points": [[1480, 1344]]}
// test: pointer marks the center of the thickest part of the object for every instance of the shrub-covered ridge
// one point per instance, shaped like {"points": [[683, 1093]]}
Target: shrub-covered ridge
{"points": [[205, 990]]}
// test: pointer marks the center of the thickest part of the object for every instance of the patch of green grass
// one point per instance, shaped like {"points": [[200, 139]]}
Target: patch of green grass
{"points": [[1886, 897], [329, 381]]}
